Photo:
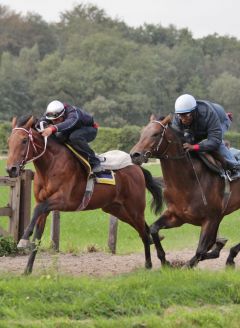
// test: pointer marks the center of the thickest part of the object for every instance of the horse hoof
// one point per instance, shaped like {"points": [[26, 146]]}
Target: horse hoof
{"points": [[166, 264], [187, 265], [230, 264], [148, 265], [23, 244]]}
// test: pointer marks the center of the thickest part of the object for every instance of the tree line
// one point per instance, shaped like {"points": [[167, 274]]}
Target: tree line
{"points": [[118, 73]]}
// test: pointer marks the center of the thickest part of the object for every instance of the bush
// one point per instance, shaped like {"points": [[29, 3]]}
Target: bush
{"points": [[8, 246]]}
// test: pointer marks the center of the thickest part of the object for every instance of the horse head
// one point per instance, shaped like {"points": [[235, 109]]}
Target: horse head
{"points": [[155, 141], [21, 147]]}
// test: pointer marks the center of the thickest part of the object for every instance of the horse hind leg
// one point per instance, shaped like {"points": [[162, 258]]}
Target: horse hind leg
{"points": [[233, 253], [136, 220], [147, 241], [144, 232]]}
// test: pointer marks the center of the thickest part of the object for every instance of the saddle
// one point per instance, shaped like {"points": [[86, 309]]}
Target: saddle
{"points": [[216, 163]]}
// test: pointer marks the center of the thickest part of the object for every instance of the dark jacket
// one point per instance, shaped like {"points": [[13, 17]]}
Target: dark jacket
{"points": [[206, 126], [74, 118]]}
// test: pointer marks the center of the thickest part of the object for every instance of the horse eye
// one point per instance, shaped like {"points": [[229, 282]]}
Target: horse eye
{"points": [[24, 141], [156, 134]]}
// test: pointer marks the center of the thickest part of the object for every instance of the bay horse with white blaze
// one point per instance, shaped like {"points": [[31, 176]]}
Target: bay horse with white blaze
{"points": [[60, 182], [194, 194]]}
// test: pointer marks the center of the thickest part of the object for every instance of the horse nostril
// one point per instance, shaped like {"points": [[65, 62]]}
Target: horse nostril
{"points": [[12, 171], [135, 155]]}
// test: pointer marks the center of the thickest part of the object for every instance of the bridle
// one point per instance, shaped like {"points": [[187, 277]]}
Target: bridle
{"points": [[31, 143], [164, 154], [184, 154]]}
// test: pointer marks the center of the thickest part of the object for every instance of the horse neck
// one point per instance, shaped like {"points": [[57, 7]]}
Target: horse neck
{"points": [[51, 154], [175, 163], [54, 158]]}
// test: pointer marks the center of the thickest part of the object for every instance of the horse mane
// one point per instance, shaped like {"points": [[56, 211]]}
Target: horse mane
{"points": [[177, 132]]}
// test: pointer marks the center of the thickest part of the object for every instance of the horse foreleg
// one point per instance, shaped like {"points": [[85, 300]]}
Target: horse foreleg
{"points": [[206, 241], [166, 221], [39, 210], [36, 242], [233, 253]]}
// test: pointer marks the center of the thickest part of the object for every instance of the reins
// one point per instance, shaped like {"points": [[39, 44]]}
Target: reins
{"points": [[31, 142], [165, 156], [200, 187]]}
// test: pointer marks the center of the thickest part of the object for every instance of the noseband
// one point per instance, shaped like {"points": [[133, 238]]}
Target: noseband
{"points": [[31, 142]]}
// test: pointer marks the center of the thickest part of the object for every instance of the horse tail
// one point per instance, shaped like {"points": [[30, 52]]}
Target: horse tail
{"points": [[154, 186]]}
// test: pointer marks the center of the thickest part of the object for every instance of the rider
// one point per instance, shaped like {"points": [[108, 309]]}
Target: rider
{"points": [[204, 124], [71, 124]]}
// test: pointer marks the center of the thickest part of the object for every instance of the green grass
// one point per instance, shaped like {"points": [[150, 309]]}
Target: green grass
{"points": [[170, 298]]}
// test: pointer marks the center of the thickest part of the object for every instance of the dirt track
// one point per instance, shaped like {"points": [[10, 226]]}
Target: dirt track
{"points": [[101, 264]]}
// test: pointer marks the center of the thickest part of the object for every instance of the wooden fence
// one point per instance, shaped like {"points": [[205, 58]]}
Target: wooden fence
{"points": [[19, 204]]}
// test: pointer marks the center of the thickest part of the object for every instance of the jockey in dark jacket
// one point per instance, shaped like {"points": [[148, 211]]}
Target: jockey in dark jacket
{"points": [[204, 123], [71, 124]]}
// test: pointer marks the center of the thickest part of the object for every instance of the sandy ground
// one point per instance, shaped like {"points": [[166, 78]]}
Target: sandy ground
{"points": [[101, 264]]}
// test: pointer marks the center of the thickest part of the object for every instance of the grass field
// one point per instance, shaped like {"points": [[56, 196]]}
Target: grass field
{"points": [[166, 298], [170, 298]]}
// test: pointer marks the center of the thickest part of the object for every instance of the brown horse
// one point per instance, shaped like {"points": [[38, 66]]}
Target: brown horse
{"points": [[194, 194], [60, 183]]}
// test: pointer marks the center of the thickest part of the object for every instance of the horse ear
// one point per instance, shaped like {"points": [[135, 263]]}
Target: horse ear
{"points": [[14, 122], [30, 123], [152, 117], [167, 119]]}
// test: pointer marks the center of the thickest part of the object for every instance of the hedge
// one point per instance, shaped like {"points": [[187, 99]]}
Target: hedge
{"points": [[116, 138]]}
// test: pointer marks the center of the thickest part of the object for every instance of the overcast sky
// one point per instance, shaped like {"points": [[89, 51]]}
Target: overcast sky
{"points": [[201, 17]]}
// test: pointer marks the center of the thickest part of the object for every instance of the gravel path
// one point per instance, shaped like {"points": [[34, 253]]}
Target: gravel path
{"points": [[101, 264]]}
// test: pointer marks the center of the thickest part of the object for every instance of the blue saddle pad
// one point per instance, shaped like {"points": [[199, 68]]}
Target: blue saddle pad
{"points": [[106, 177]]}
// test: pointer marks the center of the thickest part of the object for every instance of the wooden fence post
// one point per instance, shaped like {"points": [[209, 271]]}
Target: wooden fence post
{"points": [[25, 201], [55, 230], [14, 200], [112, 236]]}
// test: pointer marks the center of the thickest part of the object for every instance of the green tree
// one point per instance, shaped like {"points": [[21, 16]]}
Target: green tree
{"points": [[225, 90], [14, 92]]}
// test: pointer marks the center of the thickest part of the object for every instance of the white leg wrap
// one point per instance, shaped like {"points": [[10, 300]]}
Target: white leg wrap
{"points": [[23, 243]]}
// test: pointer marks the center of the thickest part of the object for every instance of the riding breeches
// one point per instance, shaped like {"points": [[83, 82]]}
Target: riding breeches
{"points": [[79, 139]]}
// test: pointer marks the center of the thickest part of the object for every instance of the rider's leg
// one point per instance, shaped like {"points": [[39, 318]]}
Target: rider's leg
{"points": [[228, 156], [79, 140]]}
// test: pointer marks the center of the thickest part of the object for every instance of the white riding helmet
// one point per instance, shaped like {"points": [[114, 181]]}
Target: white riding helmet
{"points": [[55, 109], [185, 104]]}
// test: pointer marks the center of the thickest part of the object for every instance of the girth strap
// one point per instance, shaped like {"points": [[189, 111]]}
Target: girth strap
{"points": [[88, 194]]}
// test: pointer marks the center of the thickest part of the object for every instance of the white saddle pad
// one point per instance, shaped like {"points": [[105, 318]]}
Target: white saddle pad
{"points": [[115, 160]]}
